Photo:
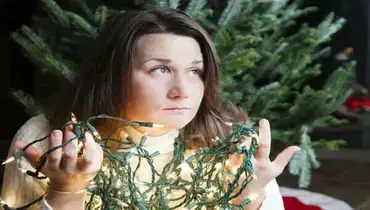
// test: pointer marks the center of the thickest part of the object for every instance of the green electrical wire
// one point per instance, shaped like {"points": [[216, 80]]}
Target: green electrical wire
{"points": [[116, 187]]}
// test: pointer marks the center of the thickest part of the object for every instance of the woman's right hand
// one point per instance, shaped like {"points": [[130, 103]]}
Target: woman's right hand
{"points": [[66, 171]]}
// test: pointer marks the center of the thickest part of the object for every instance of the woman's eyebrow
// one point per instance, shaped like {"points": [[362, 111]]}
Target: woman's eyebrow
{"points": [[163, 60], [168, 61], [197, 61]]}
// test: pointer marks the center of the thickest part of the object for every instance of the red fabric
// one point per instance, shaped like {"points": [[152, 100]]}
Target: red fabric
{"points": [[292, 203], [355, 103]]}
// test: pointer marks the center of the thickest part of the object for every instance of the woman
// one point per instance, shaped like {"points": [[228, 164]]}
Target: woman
{"points": [[156, 65]]}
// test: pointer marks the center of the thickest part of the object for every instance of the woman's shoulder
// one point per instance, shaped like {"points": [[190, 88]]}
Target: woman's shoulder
{"points": [[35, 127], [19, 189]]}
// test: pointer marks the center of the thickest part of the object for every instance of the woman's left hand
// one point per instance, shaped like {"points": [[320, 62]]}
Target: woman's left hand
{"points": [[264, 169]]}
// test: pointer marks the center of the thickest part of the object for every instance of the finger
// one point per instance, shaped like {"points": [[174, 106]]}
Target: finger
{"points": [[69, 157], [264, 144], [282, 160], [86, 160], [54, 158], [31, 153]]}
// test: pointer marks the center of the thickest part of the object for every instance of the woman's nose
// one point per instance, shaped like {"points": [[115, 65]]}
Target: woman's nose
{"points": [[179, 88]]}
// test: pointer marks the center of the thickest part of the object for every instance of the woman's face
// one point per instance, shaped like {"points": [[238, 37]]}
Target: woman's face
{"points": [[167, 85]]}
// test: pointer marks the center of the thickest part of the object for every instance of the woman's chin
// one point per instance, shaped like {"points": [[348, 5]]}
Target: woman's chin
{"points": [[175, 124], [169, 122]]}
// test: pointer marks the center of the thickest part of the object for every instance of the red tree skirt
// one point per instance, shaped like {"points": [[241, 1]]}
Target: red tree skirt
{"points": [[292, 203], [298, 199]]}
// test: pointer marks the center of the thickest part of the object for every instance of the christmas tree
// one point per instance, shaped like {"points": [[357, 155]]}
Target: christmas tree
{"points": [[267, 59]]}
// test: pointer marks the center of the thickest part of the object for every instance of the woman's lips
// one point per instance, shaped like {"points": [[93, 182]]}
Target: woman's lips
{"points": [[176, 108]]}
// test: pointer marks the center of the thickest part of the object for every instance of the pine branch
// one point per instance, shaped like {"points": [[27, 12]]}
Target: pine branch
{"points": [[194, 7], [32, 107], [42, 56], [328, 27], [36, 40], [168, 3], [262, 90], [29, 47], [203, 20], [101, 15], [278, 5], [302, 162], [339, 81], [63, 69], [222, 40], [57, 12], [173, 4], [233, 9], [86, 9], [80, 21]]}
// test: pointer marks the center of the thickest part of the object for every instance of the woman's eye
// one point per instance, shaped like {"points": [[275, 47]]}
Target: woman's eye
{"points": [[160, 70], [196, 71]]}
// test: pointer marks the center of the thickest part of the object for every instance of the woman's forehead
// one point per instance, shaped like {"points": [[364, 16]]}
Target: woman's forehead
{"points": [[167, 46]]}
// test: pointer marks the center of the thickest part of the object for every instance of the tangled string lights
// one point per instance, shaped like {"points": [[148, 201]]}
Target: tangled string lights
{"points": [[196, 181]]}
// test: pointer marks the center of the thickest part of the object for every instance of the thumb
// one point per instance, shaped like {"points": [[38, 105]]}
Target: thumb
{"points": [[283, 158], [31, 154]]}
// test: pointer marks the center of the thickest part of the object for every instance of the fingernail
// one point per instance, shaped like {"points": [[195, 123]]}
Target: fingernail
{"points": [[19, 145], [297, 149], [263, 122], [56, 134]]}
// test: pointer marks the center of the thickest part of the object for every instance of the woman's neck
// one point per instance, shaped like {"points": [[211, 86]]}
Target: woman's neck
{"points": [[137, 133], [162, 141]]}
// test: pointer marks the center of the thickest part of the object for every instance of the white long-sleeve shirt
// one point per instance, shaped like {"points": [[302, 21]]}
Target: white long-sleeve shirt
{"points": [[19, 189]]}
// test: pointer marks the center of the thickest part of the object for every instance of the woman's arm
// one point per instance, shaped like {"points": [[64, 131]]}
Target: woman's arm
{"points": [[19, 189], [57, 200]]}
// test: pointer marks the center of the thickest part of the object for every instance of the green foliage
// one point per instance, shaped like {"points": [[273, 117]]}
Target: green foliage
{"points": [[267, 59], [168, 3]]}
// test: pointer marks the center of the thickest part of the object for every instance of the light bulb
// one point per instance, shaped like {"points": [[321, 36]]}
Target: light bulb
{"points": [[9, 160]]}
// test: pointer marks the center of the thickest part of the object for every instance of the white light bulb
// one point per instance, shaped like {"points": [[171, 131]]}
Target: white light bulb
{"points": [[185, 169], [9, 160]]}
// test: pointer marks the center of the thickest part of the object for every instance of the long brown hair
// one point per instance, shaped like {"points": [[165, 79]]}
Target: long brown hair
{"points": [[103, 84]]}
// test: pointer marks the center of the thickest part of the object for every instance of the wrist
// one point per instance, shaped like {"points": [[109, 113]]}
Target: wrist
{"points": [[256, 199], [60, 200], [61, 188]]}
